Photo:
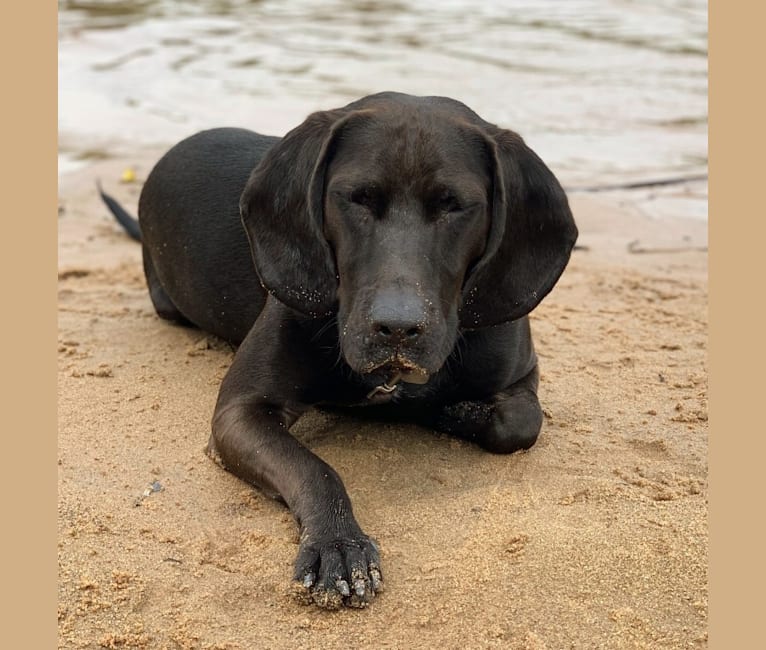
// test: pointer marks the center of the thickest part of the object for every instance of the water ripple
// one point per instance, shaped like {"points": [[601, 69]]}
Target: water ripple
{"points": [[601, 88]]}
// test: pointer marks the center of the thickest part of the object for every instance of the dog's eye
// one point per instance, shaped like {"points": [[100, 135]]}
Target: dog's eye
{"points": [[446, 203], [367, 196]]}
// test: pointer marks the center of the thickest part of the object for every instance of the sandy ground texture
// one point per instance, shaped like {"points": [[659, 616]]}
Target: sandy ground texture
{"points": [[595, 538]]}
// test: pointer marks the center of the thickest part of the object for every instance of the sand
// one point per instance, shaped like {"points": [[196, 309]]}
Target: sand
{"points": [[595, 538]]}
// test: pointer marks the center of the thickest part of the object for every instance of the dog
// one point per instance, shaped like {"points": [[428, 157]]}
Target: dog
{"points": [[386, 253]]}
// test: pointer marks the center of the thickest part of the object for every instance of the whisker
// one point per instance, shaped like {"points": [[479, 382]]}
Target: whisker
{"points": [[323, 330]]}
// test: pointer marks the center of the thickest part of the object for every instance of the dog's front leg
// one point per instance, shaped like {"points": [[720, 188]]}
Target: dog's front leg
{"points": [[260, 399], [508, 421]]}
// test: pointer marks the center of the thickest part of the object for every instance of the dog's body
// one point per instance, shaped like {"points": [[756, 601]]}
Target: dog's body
{"points": [[401, 242]]}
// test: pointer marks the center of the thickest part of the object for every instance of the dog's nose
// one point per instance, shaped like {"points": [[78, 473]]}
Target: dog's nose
{"points": [[397, 319], [397, 331]]}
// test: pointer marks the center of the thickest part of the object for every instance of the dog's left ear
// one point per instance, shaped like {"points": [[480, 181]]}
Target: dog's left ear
{"points": [[530, 239]]}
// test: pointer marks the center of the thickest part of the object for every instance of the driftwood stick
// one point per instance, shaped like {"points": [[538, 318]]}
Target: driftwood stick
{"points": [[676, 180], [635, 247]]}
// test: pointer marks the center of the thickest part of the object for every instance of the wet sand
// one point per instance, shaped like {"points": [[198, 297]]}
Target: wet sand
{"points": [[595, 538]]}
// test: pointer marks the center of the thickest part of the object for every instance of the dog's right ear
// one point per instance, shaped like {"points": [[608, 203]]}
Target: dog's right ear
{"points": [[282, 211]]}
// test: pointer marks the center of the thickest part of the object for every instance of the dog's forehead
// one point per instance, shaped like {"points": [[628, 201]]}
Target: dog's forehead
{"points": [[412, 140]]}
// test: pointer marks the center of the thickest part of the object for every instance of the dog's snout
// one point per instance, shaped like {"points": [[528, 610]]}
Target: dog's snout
{"points": [[398, 318]]}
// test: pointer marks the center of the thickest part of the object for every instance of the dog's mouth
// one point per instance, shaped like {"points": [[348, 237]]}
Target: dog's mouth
{"points": [[394, 371]]}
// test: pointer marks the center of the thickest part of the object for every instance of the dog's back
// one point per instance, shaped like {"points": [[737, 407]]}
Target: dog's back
{"points": [[191, 229]]}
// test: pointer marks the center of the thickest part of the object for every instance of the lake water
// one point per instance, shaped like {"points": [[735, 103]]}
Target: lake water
{"points": [[604, 90]]}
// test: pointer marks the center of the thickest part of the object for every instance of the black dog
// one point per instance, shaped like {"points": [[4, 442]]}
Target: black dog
{"points": [[399, 243]]}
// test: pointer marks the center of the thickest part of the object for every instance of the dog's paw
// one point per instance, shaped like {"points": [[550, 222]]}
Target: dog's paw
{"points": [[509, 423], [516, 422], [333, 572]]}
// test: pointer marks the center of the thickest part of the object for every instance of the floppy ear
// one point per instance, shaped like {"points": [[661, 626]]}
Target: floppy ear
{"points": [[530, 239], [282, 211]]}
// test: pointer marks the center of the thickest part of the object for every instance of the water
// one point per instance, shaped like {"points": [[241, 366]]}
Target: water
{"points": [[604, 90]]}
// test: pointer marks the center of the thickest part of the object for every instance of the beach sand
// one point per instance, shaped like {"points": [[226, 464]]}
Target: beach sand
{"points": [[595, 538]]}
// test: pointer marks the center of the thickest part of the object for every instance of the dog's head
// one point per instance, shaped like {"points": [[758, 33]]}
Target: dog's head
{"points": [[410, 218]]}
